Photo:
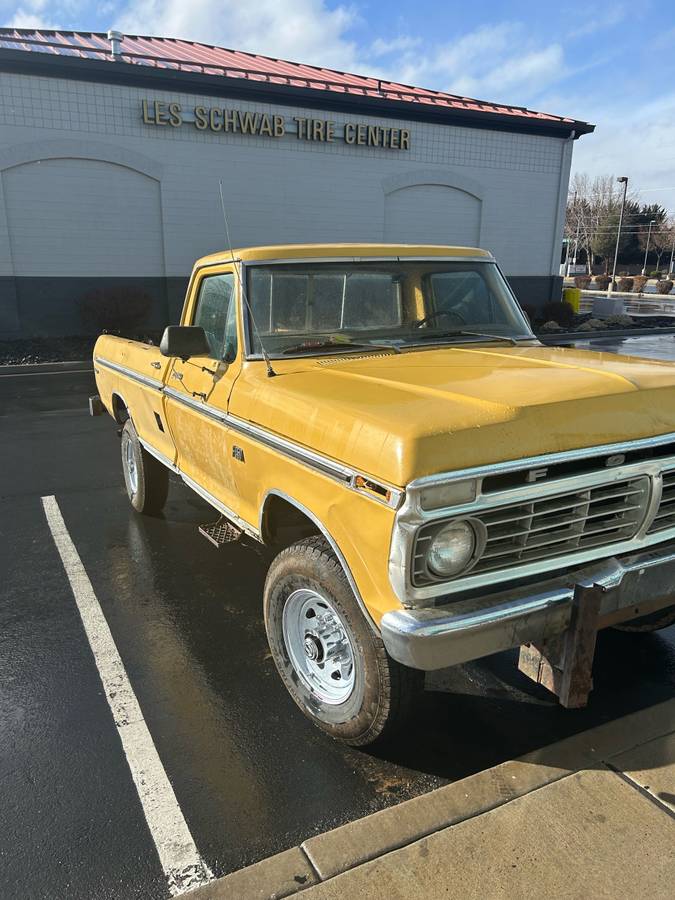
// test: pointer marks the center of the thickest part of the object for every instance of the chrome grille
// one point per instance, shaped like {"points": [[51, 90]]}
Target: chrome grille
{"points": [[665, 517], [551, 526]]}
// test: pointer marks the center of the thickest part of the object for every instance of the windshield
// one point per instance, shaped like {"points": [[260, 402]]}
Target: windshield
{"points": [[322, 307]]}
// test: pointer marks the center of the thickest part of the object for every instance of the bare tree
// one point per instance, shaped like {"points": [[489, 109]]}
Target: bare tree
{"points": [[661, 240], [593, 214]]}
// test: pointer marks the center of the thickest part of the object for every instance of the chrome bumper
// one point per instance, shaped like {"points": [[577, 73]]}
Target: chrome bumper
{"points": [[444, 636]]}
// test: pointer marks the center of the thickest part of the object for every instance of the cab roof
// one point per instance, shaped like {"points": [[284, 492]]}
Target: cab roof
{"points": [[338, 251]]}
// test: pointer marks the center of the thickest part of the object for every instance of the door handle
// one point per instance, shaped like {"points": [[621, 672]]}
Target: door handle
{"points": [[156, 365]]}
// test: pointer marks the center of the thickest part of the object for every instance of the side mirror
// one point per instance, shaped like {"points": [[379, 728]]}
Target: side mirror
{"points": [[184, 341]]}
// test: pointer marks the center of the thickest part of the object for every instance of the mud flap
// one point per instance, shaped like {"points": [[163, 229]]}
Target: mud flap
{"points": [[96, 407]]}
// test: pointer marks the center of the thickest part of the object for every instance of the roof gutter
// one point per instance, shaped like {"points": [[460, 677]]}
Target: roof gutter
{"points": [[108, 72]]}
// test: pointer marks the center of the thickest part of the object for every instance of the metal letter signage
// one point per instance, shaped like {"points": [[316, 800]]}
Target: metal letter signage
{"points": [[233, 121]]}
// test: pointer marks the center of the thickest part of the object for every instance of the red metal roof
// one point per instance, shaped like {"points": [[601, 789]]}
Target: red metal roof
{"points": [[189, 56]]}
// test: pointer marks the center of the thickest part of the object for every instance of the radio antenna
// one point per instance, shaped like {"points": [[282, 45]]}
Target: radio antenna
{"points": [[270, 371]]}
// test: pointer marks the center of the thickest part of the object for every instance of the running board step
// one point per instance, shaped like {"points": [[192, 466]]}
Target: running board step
{"points": [[220, 532]]}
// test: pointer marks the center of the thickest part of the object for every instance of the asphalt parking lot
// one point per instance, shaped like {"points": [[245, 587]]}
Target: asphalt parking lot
{"points": [[250, 774]]}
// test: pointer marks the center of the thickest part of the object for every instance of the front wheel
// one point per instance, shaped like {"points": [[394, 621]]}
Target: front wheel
{"points": [[146, 479], [333, 664]]}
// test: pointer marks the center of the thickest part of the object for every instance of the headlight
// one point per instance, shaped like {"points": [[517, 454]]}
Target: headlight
{"points": [[452, 549]]}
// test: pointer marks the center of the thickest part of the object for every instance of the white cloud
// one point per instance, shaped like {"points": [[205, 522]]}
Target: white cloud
{"points": [[29, 15], [382, 47], [25, 19], [519, 75], [640, 145], [605, 19], [302, 30], [501, 62]]}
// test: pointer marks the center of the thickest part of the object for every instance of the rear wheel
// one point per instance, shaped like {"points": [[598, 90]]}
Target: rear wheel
{"points": [[662, 618], [333, 664], [146, 479]]}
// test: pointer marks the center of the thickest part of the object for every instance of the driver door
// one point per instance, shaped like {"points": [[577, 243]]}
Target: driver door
{"points": [[198, 390]]}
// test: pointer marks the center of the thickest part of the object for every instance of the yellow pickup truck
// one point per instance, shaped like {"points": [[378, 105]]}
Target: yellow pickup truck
{"points": [[439, 485]]}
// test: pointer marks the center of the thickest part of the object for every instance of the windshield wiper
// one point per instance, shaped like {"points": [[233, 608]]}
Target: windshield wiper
{"points": [[461, 333], [310, 347]]}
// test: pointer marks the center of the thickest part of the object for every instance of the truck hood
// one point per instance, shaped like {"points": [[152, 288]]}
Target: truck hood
{"points": [[402, 416]]}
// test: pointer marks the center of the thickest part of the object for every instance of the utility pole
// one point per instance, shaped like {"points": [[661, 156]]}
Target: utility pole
{"points": [[622, 180], [649, 234]]}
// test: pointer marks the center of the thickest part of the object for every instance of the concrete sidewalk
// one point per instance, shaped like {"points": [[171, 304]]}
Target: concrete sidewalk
{"points": [[590, 816]]}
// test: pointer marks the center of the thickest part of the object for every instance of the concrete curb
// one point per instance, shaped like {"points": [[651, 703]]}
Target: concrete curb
{"points": [[325, 856], [48, 368]]}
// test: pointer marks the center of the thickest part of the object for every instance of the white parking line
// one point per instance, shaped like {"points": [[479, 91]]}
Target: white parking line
{"points": [[178, 854]]}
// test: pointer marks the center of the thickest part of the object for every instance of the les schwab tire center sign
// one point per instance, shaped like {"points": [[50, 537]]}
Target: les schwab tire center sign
{"points": [[233, 121]]}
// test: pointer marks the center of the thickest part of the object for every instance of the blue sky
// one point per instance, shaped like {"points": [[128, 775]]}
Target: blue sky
{"points": [[610, 63]]}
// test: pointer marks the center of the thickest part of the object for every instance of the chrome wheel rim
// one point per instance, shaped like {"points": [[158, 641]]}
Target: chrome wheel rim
{"points": [[318, 646], [132, 472]]}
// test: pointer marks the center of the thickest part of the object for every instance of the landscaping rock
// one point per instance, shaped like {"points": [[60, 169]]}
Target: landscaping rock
{"points": [[618, 322]]}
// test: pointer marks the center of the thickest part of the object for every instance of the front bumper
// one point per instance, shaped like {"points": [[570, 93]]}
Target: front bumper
{"points": [[442, 636]]}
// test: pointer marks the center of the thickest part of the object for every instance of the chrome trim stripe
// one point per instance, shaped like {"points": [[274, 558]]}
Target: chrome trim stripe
{"points": [[297, 452], [290, 449], [273, 492], [204, 409], [221, 507], [158, 456], [198, 489], [129, 373], [450, 637], [248, 264], [410, 517], [550, 458], [469, 629], [305, 260]]}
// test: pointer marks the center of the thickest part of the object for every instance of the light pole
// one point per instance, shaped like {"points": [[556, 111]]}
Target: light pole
{"points": [[623, 180], [649, 234], [672, 253]]}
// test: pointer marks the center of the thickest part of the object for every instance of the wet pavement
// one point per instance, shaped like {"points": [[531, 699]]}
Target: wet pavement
{"points": [[251, 775]]}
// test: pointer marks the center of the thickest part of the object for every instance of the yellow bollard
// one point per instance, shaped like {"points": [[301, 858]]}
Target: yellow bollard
{"points": [[573, 297]]}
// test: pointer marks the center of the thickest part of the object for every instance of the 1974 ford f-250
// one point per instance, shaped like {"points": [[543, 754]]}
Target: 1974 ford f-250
{"points": [[439, 485]]}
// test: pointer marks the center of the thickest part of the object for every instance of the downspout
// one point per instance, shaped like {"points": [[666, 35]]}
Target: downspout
{"points": [[561, 207]]}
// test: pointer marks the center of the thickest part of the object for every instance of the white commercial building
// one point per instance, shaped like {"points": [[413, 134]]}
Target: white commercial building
{"points": [[111, 154]]}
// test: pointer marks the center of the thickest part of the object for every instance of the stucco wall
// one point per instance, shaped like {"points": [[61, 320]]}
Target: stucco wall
{"points": [[88, 191]]}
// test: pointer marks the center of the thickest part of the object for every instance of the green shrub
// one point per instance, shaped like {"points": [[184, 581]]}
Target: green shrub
{"points": [[638, 283], [625, 285], [115, 309], [582, 281], [664, 287], [655, 274], [602, 282]]}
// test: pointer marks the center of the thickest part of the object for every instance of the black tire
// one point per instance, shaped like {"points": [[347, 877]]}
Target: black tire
{"points": [[655, 621], [148, 485], [383, 692]]}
